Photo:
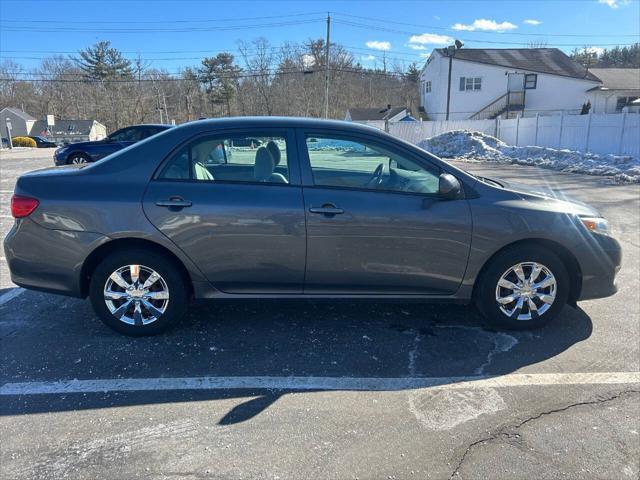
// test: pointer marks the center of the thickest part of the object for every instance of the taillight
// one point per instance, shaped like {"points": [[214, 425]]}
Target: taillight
{"points": [[23, 206]]}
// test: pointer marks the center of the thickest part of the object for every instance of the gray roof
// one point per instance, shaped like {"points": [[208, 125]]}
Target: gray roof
{"points": [[618, 78], [543, 60], [64, 127], [358, 114], [19, 113]]}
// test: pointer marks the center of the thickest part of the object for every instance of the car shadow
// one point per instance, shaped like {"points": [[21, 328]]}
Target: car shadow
{"points": [[56, 339]]}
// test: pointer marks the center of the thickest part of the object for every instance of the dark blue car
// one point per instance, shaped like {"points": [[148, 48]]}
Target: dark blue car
{"points": [[85, 152]]}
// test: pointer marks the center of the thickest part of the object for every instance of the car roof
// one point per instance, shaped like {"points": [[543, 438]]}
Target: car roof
{"points": [[160, 125], [287, 122]]}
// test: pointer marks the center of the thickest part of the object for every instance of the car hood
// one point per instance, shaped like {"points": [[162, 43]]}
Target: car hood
{"points": [[83, 144], [548, 198]]}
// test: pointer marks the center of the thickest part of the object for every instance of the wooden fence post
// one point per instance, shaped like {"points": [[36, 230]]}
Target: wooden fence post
{"points": [[620, 143], [517, 128], [535, 141], [498, 128]]}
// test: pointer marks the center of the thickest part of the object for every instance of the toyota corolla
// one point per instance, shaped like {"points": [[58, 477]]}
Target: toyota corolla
{"points": [[245, 208]]}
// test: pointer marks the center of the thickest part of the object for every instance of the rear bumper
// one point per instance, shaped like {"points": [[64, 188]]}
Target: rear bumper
{"points": [[48, 260], [599, 272]]}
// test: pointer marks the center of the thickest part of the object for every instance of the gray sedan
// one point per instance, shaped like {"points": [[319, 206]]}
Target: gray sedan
{"points": [[299, 208]]}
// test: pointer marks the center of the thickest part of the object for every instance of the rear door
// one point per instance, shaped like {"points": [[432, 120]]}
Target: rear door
{"points": [[242, 224], [375, 223]]}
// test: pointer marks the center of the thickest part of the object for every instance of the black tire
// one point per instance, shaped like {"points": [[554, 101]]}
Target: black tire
{"points": [[77, 158], [171, 275], [485, 294]]}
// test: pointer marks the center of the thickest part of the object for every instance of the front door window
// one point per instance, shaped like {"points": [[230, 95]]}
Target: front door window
{"points": [[338, 162]]}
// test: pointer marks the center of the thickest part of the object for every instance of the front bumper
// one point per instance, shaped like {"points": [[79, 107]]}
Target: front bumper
{"points": [[59, 159], [600, 264], [49, 260]]}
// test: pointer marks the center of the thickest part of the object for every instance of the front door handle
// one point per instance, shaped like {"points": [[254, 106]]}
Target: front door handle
{"points": [[174, 202], [327, 209]]}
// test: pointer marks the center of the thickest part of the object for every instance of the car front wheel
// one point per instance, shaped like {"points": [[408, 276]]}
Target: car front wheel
{"points": [[77, 159], [137, 292], [523, 287]]}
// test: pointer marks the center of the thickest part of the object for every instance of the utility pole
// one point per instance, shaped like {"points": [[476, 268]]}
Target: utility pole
{"points": [[326, 75]]}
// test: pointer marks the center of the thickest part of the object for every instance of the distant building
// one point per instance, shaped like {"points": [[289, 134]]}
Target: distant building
{"points": [[388, 113], [21, 122], [70, 131], [490, 82], [56, 130], [619, 89]]}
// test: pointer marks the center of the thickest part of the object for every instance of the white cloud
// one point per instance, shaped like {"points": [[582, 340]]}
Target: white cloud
{"points": [[367, 58], [425, 55], [417, 42], [436, 17], [377, 45], [530, 21], [485, 25], [614, 3], [597, 50]]}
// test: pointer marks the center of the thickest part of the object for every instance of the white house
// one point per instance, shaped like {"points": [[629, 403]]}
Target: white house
{"points": [[486, 83], [619, 89]]}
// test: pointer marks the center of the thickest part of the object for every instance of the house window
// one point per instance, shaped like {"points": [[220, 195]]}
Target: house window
{"points": [[624, 101], [530, 81], [427, 87], [470, 83]]}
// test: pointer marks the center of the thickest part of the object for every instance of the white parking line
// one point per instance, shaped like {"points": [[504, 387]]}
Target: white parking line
{"points": [[10, 295], [317, 383]]}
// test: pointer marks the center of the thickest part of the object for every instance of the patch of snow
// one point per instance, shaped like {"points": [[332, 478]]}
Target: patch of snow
{"points": [[476, 146]]}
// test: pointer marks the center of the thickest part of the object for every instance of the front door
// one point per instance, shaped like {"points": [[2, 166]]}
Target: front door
{"points": [[375, 223], [235, 208]]}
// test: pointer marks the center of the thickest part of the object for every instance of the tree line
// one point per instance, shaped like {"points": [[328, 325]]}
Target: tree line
{"points": [[616, 57], [101, 83]]}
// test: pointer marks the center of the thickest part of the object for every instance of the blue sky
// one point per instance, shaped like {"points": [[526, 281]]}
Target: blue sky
{"points": [[173, 34]]}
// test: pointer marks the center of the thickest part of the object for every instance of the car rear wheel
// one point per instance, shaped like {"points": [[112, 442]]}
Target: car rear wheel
{"points": [[77, 159], [137, 292], [523, 287]]}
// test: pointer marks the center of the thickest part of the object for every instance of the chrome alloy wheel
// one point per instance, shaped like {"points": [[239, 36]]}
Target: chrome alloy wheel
{"points": [[526, 291], [136, 295], [78, 160]]}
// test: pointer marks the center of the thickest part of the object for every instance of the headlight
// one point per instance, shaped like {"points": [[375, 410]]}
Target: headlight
{"points": [[596, 225]]}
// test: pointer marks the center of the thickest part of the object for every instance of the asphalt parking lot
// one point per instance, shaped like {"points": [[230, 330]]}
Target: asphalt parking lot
{"points": [[302, 389]]}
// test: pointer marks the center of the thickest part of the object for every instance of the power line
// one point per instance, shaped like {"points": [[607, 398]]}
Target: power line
{"points": [[255, 74], [159, 30], [190, 21], [386, 21], [404, 32]]}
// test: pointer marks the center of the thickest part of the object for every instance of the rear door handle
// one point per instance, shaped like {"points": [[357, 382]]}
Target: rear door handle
{"points": [[327, 209], [174, 202]]}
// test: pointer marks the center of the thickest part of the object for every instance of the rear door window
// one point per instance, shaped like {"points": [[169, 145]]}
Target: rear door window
{"points": [[232, 158]]}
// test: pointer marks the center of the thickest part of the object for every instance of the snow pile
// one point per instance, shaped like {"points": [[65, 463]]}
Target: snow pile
{"points": [[468, 145]]}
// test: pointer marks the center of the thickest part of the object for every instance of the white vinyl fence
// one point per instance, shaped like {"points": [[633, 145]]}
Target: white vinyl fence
{"points": [[617, 134]]}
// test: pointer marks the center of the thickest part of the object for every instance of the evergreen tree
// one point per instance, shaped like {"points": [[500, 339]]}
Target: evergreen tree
{"points": [[103, 62], [219, 75]]}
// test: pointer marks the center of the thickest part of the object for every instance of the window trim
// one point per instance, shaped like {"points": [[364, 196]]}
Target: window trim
{"points": [[307, 171], [473, 82], [287, 133], [535, 81]]}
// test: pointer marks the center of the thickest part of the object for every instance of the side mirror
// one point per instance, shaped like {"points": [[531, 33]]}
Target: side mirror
{"points": [[449, 187]]}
